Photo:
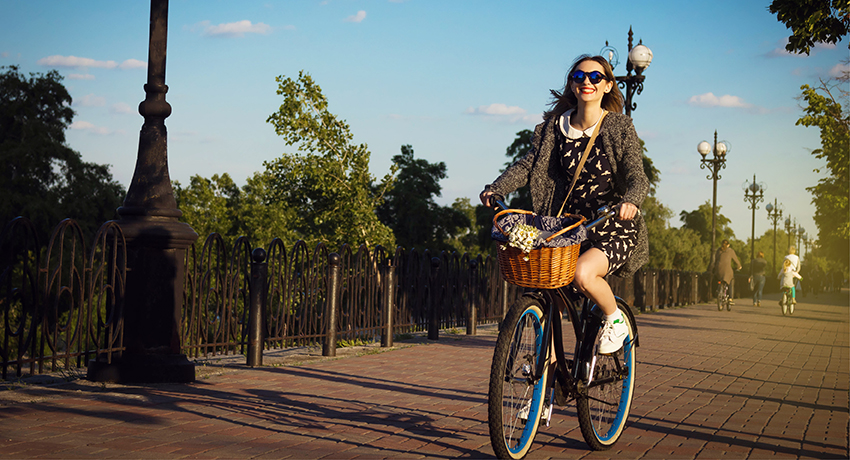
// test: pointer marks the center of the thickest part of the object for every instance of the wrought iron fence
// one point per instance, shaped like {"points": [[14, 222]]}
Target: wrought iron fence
{"points": [[60, 305]]}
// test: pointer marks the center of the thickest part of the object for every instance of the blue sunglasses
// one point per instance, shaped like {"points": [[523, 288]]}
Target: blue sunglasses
{"points": [[595, 77]]}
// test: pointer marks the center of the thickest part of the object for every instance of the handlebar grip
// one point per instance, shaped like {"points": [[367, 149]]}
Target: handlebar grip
{"points": [[499, 201]]}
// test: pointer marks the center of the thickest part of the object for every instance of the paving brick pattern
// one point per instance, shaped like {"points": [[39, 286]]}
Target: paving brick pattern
{"points": [[748, 383]]}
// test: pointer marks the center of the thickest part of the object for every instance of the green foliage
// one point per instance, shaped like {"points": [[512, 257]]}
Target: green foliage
{"points": [[521, 198], [217, 205], [669, 247], [328, 182], [467, 239], [699, 220], [821, 21], [830, 195], [409, 208], [41, 178]]}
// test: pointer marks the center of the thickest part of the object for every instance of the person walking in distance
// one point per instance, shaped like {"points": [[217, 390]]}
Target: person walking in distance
{"points": [[611, 173], [723, 265], [757, 278]]}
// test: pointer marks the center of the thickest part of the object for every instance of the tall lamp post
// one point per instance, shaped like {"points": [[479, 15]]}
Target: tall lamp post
{"points": [[714, 164], [774, 214], [638, 60], [753, 194], [790, 229], [801, 234]]}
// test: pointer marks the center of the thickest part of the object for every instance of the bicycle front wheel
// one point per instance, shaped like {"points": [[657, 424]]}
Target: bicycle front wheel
{"points": [[515, 399], [603, 411]]}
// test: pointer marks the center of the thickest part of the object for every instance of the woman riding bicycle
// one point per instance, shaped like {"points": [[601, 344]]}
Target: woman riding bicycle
{"points": [[612, 174]]}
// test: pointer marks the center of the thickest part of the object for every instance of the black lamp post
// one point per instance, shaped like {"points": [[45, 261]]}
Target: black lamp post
{"points": [[156, 242], [753, 194], [714, 165], [638, 60], [774, 214], [790, 229]]}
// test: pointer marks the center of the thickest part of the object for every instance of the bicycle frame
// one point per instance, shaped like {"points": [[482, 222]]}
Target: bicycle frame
{"points": [[577, 379]]}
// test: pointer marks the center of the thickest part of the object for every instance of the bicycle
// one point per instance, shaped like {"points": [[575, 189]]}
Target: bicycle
{"points": [[523, 388], [787, 302], [724, 298]]}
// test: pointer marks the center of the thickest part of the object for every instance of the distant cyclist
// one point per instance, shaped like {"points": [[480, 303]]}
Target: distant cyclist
{"points": [[757, 280], [723, 264], [788, 277], [795, 267]]}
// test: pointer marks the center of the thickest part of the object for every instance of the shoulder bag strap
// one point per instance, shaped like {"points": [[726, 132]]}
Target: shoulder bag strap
{"points": [[584, 156]]}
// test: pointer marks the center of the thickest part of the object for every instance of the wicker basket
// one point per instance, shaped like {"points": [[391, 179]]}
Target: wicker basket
{"points": [[546, 268]]}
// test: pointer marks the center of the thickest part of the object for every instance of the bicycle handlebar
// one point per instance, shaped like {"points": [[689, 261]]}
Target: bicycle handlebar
{"points": [[604, 213]]}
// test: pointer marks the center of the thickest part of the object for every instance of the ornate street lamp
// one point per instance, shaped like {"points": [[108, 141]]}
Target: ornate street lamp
{"points": [[774, 214], [753, 194], [714, 164], [638, 60]]}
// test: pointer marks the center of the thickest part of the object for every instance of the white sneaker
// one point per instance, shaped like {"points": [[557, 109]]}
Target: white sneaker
{"points": [[526, 408], [613, 335]]}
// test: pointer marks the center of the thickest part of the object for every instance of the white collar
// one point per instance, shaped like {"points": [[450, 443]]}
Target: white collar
{"points": [[573, 133]]}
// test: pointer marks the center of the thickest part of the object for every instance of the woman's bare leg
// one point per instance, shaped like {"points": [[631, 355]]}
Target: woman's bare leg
{"points": [[591, 269]]}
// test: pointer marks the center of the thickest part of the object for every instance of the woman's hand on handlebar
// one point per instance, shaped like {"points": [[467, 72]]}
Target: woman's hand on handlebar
{"points": [[628, 211], [489, 198], [485, 198]]}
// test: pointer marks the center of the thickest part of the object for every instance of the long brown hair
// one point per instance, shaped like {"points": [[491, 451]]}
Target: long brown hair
{"points": [[565, 100]]}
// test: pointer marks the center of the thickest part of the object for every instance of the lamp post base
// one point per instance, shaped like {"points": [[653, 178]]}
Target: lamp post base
{"points": [[154, 368]]}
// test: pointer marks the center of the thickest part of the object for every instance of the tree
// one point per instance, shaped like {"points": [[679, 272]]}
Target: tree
{"points": [[699, 220], [830, 197], [328, 182], [40, 176], [409, 208], [520, 199], [217, 205], [818, 21]]}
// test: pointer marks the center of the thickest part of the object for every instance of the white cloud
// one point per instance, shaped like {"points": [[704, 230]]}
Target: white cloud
{"points": [[839, 70], [359, 17], [91, 128], [74, 61], [81, 76], [133, 64], [90, 100], [234, 29], [710, 100], [81, 62], [511, 114], [120, 108], [496, 109]]}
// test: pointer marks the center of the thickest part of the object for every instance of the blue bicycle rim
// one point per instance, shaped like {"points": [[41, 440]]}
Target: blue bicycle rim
{"points": [[537, 392], [628, 349]]}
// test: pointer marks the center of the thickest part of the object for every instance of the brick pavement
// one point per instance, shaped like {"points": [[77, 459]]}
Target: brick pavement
{"points": [[748, 383]]}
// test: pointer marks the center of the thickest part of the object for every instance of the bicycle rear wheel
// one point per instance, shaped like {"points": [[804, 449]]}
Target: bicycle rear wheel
{"points": [[515, 399], [602, 413], [721, 294]]}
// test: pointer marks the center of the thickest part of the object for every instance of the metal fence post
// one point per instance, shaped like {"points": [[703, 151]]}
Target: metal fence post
{"points": [[329, 347], [434, 301], [259, 273], [388, 278], [472, 313]]}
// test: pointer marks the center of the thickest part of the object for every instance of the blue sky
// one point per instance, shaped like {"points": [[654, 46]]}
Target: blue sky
{"points": [[455, 79]]}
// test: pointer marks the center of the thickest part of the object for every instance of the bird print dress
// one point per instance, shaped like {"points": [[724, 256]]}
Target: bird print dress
{"points": [[593, 190]]}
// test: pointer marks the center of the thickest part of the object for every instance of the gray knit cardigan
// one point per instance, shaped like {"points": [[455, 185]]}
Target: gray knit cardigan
{"points": [[549, 181]]}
